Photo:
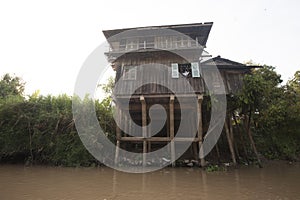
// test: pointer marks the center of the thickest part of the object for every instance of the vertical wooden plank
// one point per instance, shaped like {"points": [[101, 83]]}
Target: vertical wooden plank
{"points": [[125, 121], [218, 152], [117, 152], [171, 109], [232, 138], [118, 135], [200, 130], [149, 142], [239, 132], [144, 124], [118, 130], [252, 141], [230, 142]]}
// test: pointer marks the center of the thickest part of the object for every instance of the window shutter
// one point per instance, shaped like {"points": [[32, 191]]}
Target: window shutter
{"points": [[195, 69], [175, 73]]}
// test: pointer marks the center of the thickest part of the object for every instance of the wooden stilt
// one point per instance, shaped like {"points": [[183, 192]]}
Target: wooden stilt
{"points": [[232, 138], [118, 137], [239, 132], [195, 151], [252, 141], [171, 109], [117, 152], [144, 124], [200, 130], [168, 128], [126, 132], [194, 146], [218, 153], [230, 142], [149, 142]]}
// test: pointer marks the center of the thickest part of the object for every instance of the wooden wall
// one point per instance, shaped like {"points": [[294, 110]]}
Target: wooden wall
{"points": [[231, 77]]}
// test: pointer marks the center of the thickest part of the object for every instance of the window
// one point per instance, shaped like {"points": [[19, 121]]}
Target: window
{"points": [[186, 70], [129, 73]]}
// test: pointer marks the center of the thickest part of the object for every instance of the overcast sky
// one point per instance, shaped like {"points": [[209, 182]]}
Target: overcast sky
{"points": [[46, 43]]}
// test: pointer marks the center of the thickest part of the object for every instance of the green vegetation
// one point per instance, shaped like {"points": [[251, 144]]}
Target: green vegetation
{"points": [[215, 168], [40, 129], [274, 111]]}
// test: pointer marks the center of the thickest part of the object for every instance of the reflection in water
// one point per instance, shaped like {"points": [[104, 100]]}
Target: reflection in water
{"points": [[279, 181]]}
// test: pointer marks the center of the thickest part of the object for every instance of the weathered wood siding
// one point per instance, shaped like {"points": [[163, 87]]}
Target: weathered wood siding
{"points": [[232, 80]]}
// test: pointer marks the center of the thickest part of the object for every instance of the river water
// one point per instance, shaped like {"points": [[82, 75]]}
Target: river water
{"points": [[274, 181]]}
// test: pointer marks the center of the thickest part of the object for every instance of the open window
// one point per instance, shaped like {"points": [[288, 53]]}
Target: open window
{"points": [[129, 73], [186, 70]]}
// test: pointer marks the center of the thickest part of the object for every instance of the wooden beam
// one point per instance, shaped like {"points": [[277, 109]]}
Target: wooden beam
{"points": [[160, 139], [117, 152], [239, 132], [181, 139], [118, 130], [149, 142], [118, 135], [152, 139], [171, 112], [200, 130], [154, 96], [252, 141], [126, 132], [230, 142], [144, 128], [232, 138], [136, 108]]}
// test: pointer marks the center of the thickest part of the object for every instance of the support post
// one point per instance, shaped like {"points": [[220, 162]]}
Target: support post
{"points": [[118, 136], [230, 142], [239, 132], [252, 141], [171, 109], [232, 138], [144, 128], [200, 130], [148, 135]]}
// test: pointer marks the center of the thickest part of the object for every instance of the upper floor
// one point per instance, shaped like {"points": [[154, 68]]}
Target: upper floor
{"points": [[154, 38]]}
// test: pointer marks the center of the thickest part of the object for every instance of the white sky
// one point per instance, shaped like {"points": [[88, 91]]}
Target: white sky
{"points": [[46, 42]]}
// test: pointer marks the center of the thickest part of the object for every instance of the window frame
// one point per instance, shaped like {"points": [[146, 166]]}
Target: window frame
{"points": [[129, 72]]}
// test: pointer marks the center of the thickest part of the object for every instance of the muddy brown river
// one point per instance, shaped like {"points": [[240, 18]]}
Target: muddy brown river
{"points": [[274, 181]]}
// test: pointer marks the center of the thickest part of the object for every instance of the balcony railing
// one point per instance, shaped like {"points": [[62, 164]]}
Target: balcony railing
{"points": [[163, 45]]}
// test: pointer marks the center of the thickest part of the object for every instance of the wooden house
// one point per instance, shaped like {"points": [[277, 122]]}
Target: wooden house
{"points": [[165, 56]]}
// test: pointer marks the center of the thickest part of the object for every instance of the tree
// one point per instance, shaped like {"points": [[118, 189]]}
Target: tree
{"points": [[275, 111], [11, 86], [294, 83]]}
